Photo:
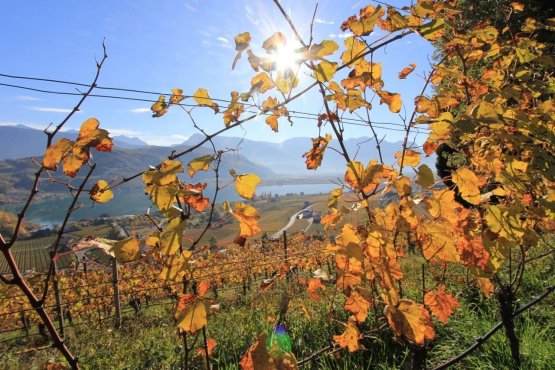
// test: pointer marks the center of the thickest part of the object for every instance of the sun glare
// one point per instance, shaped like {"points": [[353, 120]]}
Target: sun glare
{"points": [[285, 57]]}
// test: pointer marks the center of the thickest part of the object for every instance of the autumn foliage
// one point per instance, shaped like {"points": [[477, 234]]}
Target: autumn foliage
{"points": [[489, 95]]}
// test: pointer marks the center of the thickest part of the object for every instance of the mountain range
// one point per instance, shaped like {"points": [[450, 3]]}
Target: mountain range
{"points": [[278, 161], [286, 157], [21, 141]]}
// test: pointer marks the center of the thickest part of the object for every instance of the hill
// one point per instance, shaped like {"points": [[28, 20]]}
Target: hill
{"points": [[21, 141], [286, 157]]}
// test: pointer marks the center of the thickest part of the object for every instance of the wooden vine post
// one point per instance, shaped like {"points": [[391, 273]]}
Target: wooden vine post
{"points": [[115, 285]]}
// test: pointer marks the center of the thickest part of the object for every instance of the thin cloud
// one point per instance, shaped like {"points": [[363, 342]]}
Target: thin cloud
{"points": [[27, 98], [223, 39], [140, 110], [30, 125], [341, 35], [51, 110], [117, 131], [323, 21], [190, 7]]}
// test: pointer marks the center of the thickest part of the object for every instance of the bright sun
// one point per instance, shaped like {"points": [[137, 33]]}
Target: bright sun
{"points": [[285, 57]]}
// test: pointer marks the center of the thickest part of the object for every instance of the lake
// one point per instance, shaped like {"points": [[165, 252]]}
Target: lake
{"points": [[52, 211]]}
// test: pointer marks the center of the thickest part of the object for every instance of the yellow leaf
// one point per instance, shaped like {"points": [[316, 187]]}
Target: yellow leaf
{"points": [[160, 107], [88, 127], [203, 99], [246, 185], [248, 217], [324, 71], [468, 185], [177, 96], [127, 250], [425, 176], [242, 42], [163, 196], [411, 158], [402, 185], [191, 314], [55, 153], [261, 83], [432, 30], [438, 240], [170, 237], [274, 42], [100, 192], [410, 320], [354, 49], [199, 164], [325, 48]]}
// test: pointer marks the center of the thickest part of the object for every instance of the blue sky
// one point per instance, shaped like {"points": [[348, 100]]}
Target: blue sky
{"points": [[159, 45]]}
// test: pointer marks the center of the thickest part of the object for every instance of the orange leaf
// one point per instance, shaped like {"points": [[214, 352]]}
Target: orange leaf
{"points": [[55, 153], [193, 197], [393, 100], [486, 286], [441, 303], [313, 286], [332, 218], [315, 155], [410, 320], [350, 336], [358, 304], [203, 288], [210, 345], [406, 71]]}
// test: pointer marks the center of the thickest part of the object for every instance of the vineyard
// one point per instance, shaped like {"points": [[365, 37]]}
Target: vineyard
{"points": [[34, 255], [399, 266]]}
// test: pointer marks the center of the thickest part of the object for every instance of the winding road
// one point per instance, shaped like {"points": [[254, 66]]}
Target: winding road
{"points": [[292, 219]]}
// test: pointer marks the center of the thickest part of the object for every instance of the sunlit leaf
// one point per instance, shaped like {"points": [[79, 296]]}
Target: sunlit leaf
{"points": [[127, 250], [468, 184], [313, 286], [274, 42], [177, 96], [411, 158], [350, 336], [441, 303], [160, 107], [406, 71], [246, 185], [100, 192], [324, 71], [425, 176], [242, 42], [410, 320], [315, 155], [358, 303], [191, 313], [393, 100], [199, 164], [203, 99], [55, 153]]}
